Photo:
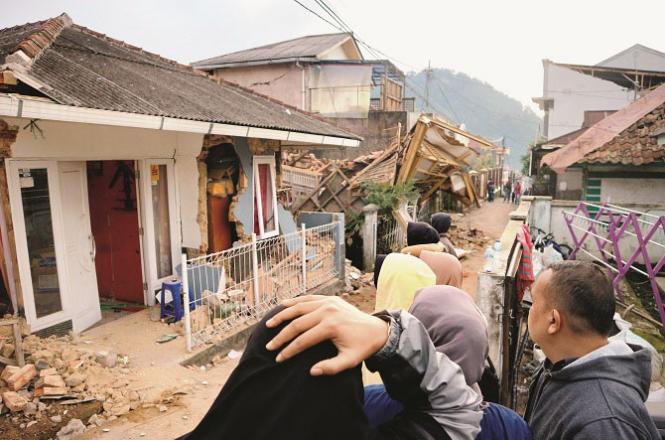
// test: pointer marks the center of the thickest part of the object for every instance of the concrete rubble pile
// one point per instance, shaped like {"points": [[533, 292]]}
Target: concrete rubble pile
{"points": [[355, 279], [467, 238], [61, 372]]}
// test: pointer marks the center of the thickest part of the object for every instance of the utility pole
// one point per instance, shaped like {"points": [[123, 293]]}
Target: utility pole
{"points": [[428, 77]]}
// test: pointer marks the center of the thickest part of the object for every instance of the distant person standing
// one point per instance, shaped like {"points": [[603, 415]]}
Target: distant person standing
{"points": [[518, 192], [506, 191], [490, 190]]}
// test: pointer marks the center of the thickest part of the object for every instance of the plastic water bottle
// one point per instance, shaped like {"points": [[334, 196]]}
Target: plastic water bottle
{"points": [[497, 246], [489, 259]]}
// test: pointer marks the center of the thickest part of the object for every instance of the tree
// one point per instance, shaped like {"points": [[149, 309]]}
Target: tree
{"points": [[525, 160]]}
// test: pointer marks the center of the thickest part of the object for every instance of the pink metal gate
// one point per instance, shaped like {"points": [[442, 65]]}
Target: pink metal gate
{"points": [[608, 225]]}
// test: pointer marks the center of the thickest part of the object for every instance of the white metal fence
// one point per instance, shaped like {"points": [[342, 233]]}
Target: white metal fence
{"points": [[229, 290], [390, 236]]}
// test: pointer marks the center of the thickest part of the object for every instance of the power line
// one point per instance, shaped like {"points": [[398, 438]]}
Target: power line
{"points": [[333, 14], [322, 18], [377, 53], [452, 109]]}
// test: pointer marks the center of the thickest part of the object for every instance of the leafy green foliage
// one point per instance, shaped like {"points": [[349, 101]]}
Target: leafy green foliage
{"points": [[525, 160], [388, 197], [353, 223]]}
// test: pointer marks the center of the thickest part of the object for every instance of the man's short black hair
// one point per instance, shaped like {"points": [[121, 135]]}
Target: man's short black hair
{"points": [[585, 293]]}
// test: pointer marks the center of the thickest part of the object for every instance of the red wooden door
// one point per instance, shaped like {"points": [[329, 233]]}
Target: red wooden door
{"points": [[115, 227]]}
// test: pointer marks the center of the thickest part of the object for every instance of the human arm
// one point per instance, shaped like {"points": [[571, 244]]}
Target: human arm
{"points": [[397, 345], [426, 381]]}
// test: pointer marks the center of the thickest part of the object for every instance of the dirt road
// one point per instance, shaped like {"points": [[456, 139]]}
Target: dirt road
{"points": [[491, 219]]}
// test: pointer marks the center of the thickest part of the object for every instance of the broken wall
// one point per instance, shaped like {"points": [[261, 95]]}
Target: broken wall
{"points": [[378, 131], [242, 206]]}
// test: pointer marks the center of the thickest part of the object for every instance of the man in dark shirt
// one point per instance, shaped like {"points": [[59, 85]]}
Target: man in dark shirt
{"points": [[588, 388]]}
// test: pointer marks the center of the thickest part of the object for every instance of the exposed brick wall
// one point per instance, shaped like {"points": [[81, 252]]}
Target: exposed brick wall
{"points": [[8, 135], [7, 138], [378, 131]]}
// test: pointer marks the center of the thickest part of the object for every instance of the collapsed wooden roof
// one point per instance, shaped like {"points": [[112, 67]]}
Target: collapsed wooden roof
{"points": [[436, 157]]}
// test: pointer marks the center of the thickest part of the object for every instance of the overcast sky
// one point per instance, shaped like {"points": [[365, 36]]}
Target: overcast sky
{"points": [[501, 42]]}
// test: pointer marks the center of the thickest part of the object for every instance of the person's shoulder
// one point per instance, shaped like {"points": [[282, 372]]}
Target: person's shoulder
{"points": [[614, 427]]}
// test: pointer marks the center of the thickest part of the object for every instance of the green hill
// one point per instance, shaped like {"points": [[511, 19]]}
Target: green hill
{"points": [[483, 109]]}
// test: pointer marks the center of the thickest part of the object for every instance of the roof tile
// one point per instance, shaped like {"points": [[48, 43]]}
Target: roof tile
{"points": [[624, 137], [84, 68]]}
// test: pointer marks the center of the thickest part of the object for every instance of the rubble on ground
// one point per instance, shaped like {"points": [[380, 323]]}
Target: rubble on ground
{"points": [[72, 429], [467, 238], [350, 167], [355, 279], [62, 371]]}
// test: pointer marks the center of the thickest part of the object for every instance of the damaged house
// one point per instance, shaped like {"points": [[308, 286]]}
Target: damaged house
{"points": [[116, 161], [328, 75]]}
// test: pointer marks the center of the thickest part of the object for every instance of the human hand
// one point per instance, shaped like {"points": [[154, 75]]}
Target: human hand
{"points": [[357, 335]]}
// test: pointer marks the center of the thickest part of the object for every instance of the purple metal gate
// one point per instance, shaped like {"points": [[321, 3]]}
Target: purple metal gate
{"points": [[608, 225]]}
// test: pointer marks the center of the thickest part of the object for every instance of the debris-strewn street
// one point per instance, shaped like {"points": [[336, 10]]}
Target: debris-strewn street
{"points": [[172, 175]]}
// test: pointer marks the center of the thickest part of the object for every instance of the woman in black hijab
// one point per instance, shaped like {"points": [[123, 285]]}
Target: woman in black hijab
{"points": [[441, 222], [264, 399], [380, 258], [420, 233], [268, 400]]}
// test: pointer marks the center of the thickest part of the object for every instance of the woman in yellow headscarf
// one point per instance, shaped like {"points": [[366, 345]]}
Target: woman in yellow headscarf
{"points": [[397, 278]]}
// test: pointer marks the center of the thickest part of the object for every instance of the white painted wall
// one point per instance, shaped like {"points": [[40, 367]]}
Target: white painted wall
{"points": [[627, 245], [633, 191], [283, 82], [557, 223], [337, 53], [72, 141], [571, 180], [339, 90], [574, 93]]}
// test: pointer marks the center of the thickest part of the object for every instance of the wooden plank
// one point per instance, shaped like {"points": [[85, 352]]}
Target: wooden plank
{"points": [[315, 191], [16, 292], [431, 192], [18, 345], [7, 361], [298, 157], [406, 171], [379, 160], [443, 176], [471, 190], [466, 134]]}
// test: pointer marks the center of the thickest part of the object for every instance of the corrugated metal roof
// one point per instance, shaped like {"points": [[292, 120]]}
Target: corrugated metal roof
{"points": [[629, 126], [298, 48], [83, 68]]}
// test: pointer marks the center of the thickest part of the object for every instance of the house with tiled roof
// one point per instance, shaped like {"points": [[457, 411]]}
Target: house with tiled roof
{"points": [[114, 161], [621, 157], [567, 185]]}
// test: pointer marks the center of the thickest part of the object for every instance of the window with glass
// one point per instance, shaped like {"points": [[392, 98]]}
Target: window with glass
{"points": [[266, 222], [37, 212]]}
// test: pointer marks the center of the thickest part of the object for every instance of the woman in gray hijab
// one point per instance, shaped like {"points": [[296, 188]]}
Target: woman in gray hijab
{"points": [[458, 329]]}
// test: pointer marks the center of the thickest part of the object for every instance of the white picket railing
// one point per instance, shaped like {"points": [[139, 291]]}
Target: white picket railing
{"points": [[229, 290]]}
